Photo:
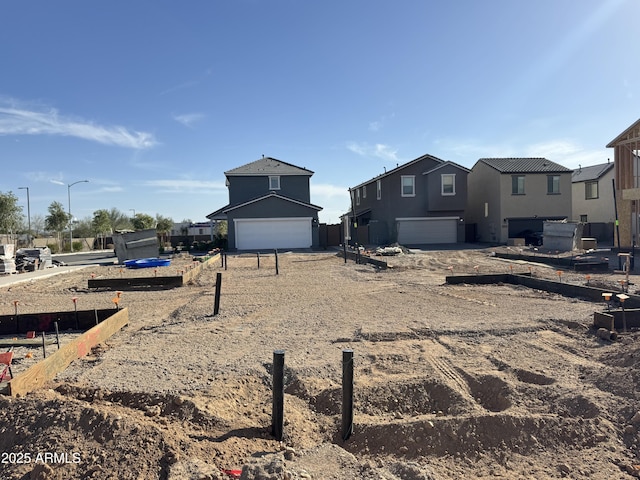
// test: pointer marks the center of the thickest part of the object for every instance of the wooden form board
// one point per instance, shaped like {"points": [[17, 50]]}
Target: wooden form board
{"points": [[170, 281], [36, 376], [612, 319]]}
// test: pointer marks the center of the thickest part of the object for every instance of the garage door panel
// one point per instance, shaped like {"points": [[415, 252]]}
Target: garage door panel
{"points": [[256, 234], [427, 231]]}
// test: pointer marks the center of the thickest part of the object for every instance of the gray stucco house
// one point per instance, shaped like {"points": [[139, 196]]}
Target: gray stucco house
{"points": [[509, 196], [420, 202], [269, 207]]}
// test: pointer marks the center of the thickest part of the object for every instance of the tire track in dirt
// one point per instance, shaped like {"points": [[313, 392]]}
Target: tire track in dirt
{"points": [[437, 356]]}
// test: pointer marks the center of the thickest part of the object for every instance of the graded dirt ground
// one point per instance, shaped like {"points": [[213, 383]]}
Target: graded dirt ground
{"points": [[450, 381]]}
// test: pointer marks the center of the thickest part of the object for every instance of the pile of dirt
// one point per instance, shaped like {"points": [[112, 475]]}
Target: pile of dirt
{"points": [[450, 381]]}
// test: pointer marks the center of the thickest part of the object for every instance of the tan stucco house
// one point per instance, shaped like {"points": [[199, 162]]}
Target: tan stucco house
{"points": [[592, 200], [510, 196]]}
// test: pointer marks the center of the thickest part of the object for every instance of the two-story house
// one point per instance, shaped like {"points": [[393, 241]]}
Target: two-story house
{"points": [[420, 202], [592, 200], [511, 196], [626, 151], [269, 207]]}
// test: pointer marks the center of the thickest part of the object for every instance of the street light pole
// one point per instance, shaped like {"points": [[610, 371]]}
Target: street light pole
{"points": [[70, 216], [28, 215]]}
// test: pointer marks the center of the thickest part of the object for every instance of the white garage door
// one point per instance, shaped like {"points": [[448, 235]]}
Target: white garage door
{"points": [[267, 233], [416, 231]]}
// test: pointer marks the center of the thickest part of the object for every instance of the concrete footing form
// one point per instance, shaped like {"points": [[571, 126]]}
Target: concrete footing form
{"points": [[613, 319], [99, 325], [161, 282]]}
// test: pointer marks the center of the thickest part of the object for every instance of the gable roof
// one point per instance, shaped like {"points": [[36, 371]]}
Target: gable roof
{"points": [[222, 212], [524, 165], [593, 172], [630, 135], [444, 164], [400, 167], [268, 166]]}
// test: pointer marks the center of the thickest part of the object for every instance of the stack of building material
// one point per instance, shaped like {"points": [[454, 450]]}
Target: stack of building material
{"points": [[30, 259], [7, 263]]}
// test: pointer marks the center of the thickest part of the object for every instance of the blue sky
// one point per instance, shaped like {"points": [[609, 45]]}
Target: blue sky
{"points": [[151, 101]]}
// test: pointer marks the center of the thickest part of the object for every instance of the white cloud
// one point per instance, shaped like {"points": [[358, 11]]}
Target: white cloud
{"points": [[186, 185], [565, 152], [568, 153], [188, 119], [328, 191], [17, 120], [379, 150]]}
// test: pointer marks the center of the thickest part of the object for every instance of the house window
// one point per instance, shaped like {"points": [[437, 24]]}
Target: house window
{"points": [[357, 196], [553, 184], [364, 192], [591, 190], [517, 184], [274, 183], [583, 219], [449, 184], [378, 189], [408, 185]]}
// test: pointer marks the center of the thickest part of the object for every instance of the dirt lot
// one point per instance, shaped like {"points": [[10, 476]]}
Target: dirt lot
{"points": [[491, 381]]}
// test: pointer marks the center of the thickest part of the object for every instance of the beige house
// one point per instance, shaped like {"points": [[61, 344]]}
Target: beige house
{"points": [[592, 200], [508, 197], [626, 148]]}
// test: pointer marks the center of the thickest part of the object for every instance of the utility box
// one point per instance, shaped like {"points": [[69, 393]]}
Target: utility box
{"points": [[562, 236], [589, 243], [133, 245]]}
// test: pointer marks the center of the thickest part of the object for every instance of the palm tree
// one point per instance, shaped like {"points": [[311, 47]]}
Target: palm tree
{"points": [[101, 224], [57, 220], [163, 226], [118, 220]]}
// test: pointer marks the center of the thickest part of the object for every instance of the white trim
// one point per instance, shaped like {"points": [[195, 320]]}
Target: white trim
{"points": [[269, 195], [446, 164], [413, 181], [426, 218], [262, 219], [274, 177], [442, 192]]}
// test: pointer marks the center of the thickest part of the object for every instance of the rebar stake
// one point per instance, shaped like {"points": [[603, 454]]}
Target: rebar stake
{"points": [[277, 415], [216, 301], [347, 393]]}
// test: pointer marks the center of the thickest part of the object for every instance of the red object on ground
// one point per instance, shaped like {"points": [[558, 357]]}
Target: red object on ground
{"points": [[232, 473]]}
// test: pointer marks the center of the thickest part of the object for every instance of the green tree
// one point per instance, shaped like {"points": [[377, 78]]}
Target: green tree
{"points": [[142, 221], [10, 213], [37, 224], [220, 228], [119, 220], [83, 228], [163, 226], [101, 224], [57, 220]]}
